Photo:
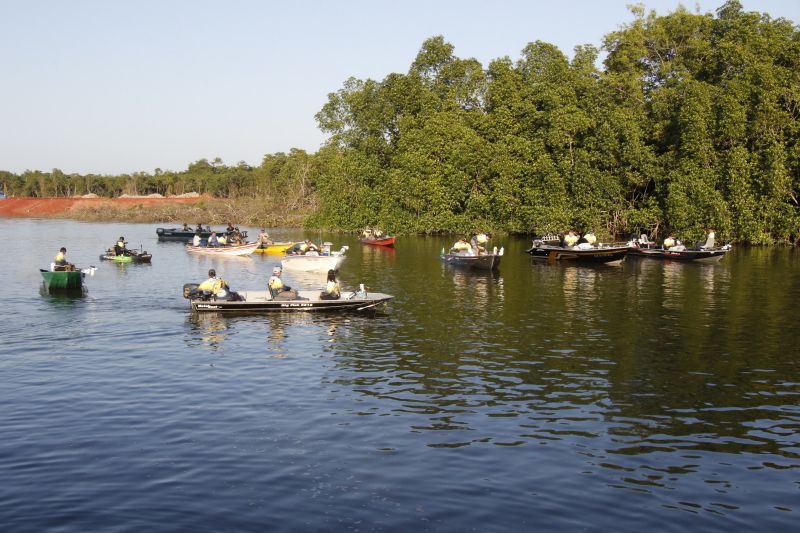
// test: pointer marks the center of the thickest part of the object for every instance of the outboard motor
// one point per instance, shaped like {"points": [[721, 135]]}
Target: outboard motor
{"points": [[190, 290]]}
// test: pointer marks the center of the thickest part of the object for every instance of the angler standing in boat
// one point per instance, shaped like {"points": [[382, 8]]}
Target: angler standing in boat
{"points": [[61, 261], [331, 291], [263, 239]]}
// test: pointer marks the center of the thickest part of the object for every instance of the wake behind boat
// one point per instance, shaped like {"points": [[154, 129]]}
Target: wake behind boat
{"points": [[228, 250]]}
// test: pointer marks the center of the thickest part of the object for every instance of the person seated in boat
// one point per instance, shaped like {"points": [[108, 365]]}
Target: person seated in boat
{"points": [[213, 240], [307, 247], [461, 246], [570, 239], [230, 228], [366, 233], [277, 290], [186, 227], [235, 238], [199, 228], [222, 239], [263, 239], [217, 287], [378, 233], [196, 239], [119, 248], [673, 245], [331, 291], [711, 238], [61, 264]]}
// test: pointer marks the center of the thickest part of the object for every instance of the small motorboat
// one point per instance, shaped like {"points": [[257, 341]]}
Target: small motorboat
{"points": [[128, 256], [580, 253], [711, 255], [261, 301], [276, 248], [316, 261], [65, 279], [383, 241], [469, 260], [227, 250]]}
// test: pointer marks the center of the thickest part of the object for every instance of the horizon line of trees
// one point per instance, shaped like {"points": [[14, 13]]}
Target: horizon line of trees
{"points": [[692, 123]]}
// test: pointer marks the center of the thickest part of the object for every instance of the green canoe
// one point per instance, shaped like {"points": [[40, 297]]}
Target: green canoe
{"points": [[62, 280]]}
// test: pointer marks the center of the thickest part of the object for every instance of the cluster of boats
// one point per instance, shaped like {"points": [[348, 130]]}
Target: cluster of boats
{"points": [[306, 257]]}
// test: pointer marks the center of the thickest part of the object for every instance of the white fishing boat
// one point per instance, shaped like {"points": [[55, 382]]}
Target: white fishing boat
{"points": [[321, 261]]}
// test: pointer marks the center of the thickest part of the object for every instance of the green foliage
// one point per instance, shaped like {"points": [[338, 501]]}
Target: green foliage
{"points": [[692, 123]]}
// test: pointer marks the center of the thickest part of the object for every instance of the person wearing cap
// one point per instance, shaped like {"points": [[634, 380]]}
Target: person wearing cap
{"points": [[263, 239], [213, 241], [119, 248], [308, 246], [277, 289], [461, 245]]}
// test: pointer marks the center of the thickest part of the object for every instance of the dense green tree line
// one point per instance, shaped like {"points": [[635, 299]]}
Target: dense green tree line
{"points": [[692, 122]]}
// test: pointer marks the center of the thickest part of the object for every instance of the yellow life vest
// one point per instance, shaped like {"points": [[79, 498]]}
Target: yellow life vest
{"points": [[275, 283], [60, 258], [669, 242], [332, 287], [482, 238]]}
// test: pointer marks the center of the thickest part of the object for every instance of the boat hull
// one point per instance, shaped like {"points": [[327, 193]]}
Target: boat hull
{"points": [[258, 302], [577, 255], [313, 263], [178, 234], [276, 248], [476, 262], [60, 280], [244, 249], [386, 241], [135, 258], [691, 256]]}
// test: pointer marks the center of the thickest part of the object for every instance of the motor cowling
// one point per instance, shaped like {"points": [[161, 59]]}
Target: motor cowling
{"points": [[190, 289]]}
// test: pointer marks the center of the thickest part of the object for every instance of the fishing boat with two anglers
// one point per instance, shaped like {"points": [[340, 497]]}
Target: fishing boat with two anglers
{"points": [[120, 253], [63, 275], [307, 257], [575, 248], [673, 249], [215, 295], [376, 237], [473, 254]]}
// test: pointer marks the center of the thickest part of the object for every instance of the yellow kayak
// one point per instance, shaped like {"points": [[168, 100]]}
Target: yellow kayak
{"points": [[276, 248]]}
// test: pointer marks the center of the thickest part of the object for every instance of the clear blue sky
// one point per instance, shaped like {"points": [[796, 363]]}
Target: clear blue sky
{"points": [[112, 86]]}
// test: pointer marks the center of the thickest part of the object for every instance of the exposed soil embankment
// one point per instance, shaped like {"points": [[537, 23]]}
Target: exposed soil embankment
{"points": [[61, 207]]}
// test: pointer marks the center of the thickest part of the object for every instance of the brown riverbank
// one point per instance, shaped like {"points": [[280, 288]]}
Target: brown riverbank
{"points": [[202, 209]]}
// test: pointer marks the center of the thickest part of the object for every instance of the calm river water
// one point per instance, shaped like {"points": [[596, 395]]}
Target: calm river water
{"points": [[642, 396]]}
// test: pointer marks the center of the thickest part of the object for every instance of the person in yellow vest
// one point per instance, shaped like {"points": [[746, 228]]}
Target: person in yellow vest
{"points": [[214, 285], [119, 248], [307, 246], [590, 238], [461, 245], [277, 289], [669, 242], [331, 291], [570, 239], [378, 233], [222, 239], [61, 261], [479, 242]]}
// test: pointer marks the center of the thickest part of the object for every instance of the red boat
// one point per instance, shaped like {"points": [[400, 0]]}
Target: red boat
{"points": [[383, 241]]}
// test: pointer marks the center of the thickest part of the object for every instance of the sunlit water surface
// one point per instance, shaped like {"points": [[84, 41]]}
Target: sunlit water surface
{"points": [[641, 396]]}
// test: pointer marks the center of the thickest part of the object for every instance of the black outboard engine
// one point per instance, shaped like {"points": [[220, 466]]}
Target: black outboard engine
{"points": [[190, 290]]}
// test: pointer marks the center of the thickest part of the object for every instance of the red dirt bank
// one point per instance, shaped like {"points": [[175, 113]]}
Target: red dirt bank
{"points": [[57, 207]]}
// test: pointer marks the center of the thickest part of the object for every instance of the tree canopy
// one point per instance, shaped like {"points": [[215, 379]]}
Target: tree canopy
{"points": [[690, 123]]}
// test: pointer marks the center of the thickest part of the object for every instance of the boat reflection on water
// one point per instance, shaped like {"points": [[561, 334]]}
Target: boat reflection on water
{"points": [[480, 285], [208, 329], [62, 296]]}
